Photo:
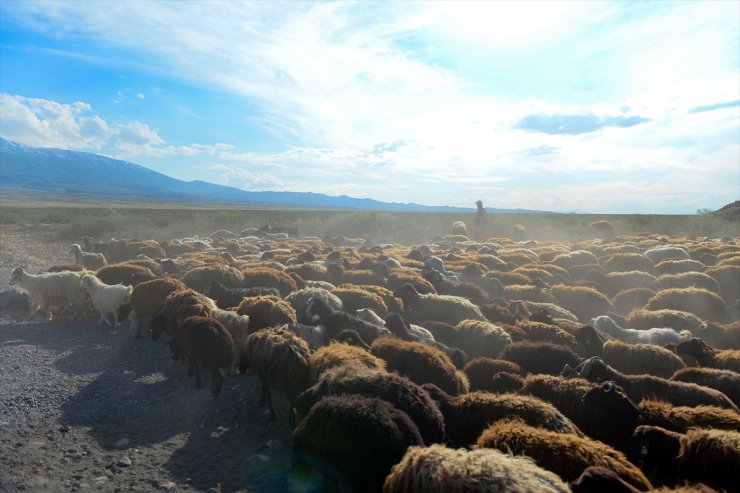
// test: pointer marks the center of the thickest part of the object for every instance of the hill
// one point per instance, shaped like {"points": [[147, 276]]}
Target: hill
{"points": [[731, 212], [60, 171]]}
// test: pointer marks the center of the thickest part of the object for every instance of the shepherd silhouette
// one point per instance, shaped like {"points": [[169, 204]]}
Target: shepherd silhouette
{"points": [[480, 213]]}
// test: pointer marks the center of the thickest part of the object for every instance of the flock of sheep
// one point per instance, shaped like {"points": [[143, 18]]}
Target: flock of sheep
{"points": [[456, 366]]}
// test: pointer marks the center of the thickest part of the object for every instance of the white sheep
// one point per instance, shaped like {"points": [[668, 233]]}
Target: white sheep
{"points": [[50, 290], [238, 327], [92, 261], [106, 298], [659, 336]]}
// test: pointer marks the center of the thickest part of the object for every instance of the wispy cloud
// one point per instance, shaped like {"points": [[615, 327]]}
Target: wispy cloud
{"points": [[562, 124], [715, 106]]}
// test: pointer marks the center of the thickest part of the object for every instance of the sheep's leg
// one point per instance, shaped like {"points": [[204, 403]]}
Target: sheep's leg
{"points": [[217, 382], [269, 404], [263, 395]]}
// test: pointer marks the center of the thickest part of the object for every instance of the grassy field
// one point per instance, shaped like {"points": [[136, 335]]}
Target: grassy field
{"points": [[101, 219]]}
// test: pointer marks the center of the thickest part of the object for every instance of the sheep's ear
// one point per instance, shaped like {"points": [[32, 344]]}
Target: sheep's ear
{"points": [[608, 386]]}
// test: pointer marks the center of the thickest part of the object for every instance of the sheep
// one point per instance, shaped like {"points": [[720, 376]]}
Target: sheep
{"points": [[577, 257], [503, 382], [47, 291], [147, 300], [687, 280], [318, 310], [281, 359], [420, 363], [314, 335], [238, 327], [231, 297], [711, 457], [401, 392], [411, 332], [267, 277], [438, 469], [122, 250], [678, 266], [726, 381], [658, 254], [337, 354], [206, 344], [444, 286], [450, 309], [267, 311], [356, 439], [617, 416], [584, 302], [299, 299], [728, 359], [640, 387], [341, 275], [567, 455], [635, 359], [720, 336], [368, 315], [675, 319], [541, 331], [480, 338], [354, 298], [629, 299], [615, 282], [659, 336], [540, 357], [199, 277], [627, 261], [704, 304], [105, 298], [728, 277], [178, 306], [91, 261], [532, 307], [125, 273], [467, 415], [63, 267]]}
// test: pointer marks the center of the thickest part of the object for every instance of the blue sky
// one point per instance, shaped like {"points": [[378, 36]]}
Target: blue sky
{"points": [[607, 107]]}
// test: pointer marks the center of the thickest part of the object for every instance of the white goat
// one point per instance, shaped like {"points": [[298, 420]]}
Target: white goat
{"points": [[92, 261], [659, 336], [106, 298], [50, 290]]}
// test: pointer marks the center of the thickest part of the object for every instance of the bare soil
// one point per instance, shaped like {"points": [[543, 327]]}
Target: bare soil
{"points": [[87, 408]]}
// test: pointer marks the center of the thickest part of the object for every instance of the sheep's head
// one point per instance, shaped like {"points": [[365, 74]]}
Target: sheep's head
{"points": [[317, 309], [88, 280], [16, 276], [76, 249], [406, 292], [650, 445], [398, 327], [694, 347], [351, 337], [507, 382], [442, 398], [590, 340], [608, 395]]}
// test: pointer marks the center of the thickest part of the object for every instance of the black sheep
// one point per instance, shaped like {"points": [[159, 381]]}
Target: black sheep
{"points": [[230, 297], [207, 345], [540, 357], [337, 321]]}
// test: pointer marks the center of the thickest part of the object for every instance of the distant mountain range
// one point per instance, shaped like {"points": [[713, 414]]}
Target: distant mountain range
{"points": [[60, 171]]}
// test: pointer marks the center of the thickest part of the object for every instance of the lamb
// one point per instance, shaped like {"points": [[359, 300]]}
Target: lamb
{"points": [[567, 455], [540, 357], [657, 336], [711, 457], [726, 381], [439, 469], [467, 415], [354, 438], [420, 363], [335, 321], [147, 300], [105, 298], [728, 359], [640, 387], [47, 291], [450, 309], [617, 415], [231, 297], [91, 261], [267, 311], [206, 344], [281, 359], [401, 392], [635, 359]]}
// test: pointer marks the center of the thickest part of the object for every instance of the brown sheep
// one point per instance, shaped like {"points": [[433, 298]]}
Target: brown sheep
{"points": [[566, 455], [200, 277], [420, 363], [147, 300], [281, 359], [726, 381], [125, 273], [267, 311], [467, 415], [704, 304], [480, 338], [354, 299], [728, 359], [481, 370], [439, 469], [678, 320], [337, 354], [628, 300], [271, 278], [636, 359], [584, 302]]}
